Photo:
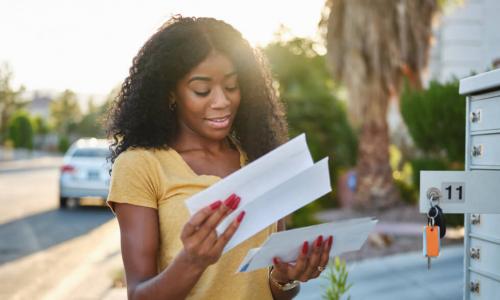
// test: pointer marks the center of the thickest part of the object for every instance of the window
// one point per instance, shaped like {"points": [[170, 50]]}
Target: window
{"points": [[91, 152]]}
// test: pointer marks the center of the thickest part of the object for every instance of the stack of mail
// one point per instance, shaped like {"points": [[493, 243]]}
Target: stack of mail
{"points": [[271, 187], [348, 236]]}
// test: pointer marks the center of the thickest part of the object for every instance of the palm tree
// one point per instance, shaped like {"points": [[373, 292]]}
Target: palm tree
{"points": [[372, 45]]}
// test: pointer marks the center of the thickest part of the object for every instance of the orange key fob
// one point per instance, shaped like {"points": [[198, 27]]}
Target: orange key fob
{"points": [[431, 241]]}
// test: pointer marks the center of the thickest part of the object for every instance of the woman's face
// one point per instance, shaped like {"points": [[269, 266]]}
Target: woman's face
{"points": [[208, 98]]}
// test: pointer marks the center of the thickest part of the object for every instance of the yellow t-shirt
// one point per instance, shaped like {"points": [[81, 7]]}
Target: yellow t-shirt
{"points": [[162, 180]]}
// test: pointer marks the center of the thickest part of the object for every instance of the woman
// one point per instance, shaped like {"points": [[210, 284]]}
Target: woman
{"points": [[197, 105]]}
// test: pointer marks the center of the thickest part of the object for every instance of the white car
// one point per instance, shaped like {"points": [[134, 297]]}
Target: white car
{"points": [[85, 172]]}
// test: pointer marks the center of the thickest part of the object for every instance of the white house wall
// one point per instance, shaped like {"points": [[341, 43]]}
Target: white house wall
{"points": [[467, 40]]}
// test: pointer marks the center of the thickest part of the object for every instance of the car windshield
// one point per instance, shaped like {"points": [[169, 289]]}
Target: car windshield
{"points": [[91, 152]]}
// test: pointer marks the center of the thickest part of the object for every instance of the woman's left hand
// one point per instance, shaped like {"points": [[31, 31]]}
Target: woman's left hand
{"points": [[312, 260]]}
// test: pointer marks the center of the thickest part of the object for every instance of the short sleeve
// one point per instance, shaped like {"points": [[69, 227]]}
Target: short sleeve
{"points": [[134, 180]]}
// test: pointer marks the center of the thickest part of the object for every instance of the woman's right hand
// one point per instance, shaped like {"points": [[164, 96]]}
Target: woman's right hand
{"points": [[202, 246]]}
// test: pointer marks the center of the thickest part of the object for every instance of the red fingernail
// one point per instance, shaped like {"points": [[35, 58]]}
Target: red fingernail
{"points": [[229, 201], [275, 260], [240, 216], [330, 241], [236, 203], [305, 248], [215, 205], [319, 241]]}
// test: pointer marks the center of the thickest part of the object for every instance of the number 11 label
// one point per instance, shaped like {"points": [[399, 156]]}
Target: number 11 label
{"points": [[453, 191]]}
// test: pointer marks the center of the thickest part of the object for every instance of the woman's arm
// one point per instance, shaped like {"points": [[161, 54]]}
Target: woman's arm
{"points": [[140, 241]]}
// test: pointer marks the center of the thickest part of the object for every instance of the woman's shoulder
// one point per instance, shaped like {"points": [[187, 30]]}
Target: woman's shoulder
{"points": [[132, 155], [143, 157], [138, 162]]}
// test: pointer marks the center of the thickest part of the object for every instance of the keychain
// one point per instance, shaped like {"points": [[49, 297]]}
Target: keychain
{"points": [[433, 232], [431, 241]]}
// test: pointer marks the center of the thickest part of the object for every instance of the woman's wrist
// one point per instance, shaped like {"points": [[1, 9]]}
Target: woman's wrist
{"points": [[280, 280], [281, 288], [188, 265], [275, 275]]}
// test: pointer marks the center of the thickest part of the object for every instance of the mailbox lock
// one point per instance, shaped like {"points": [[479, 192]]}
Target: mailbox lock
{"points": [[433, 194], [475, 116], [475, 253], [477, 150], [475, 219], [474, 286]]}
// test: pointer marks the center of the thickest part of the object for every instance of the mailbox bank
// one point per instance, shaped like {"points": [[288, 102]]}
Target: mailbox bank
{"points": [[476, 190]]}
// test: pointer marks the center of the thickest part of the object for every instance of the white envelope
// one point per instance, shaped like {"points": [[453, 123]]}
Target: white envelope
{"points": [[270, 188], [347, 236], [259, 176], [279, 202]]}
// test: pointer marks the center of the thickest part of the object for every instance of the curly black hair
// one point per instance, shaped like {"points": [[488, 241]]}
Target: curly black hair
{"points": [[140, 115]]}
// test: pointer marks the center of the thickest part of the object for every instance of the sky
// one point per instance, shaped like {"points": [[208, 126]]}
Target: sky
{"points": [[88, 45]]}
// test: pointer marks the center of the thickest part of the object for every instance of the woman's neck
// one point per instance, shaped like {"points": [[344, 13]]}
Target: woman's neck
{"points": [[188, 140]]}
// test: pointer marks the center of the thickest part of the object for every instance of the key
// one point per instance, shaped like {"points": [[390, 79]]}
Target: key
{"points": [[442, 223], [439, 220]]}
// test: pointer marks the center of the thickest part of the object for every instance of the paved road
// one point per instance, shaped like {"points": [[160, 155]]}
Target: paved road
{"points": [[403, 276], [30, 220], [28, 187], [46, 252]]}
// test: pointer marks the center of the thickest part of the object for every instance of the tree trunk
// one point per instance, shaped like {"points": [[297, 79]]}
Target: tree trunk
{"points": [[375, 187]]}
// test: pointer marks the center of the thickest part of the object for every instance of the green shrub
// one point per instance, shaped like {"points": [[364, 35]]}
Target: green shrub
{"points": [[21, 130], [408, 192], [304, 216], [427, 164], [402, 174], [90, 126], [64, 144], [436, 120], [40, 125]]}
